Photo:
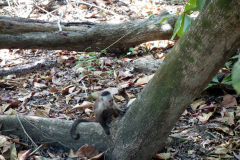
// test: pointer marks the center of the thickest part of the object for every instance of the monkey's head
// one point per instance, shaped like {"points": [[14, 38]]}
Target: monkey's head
{"points": [[107, 98]]}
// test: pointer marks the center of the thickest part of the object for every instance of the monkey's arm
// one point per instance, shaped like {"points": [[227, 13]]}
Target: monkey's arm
{"points": [[74, 126], [103, 123]]}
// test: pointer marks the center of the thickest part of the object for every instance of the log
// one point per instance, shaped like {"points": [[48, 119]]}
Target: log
{"points": [[54, 132], [116, 38]]}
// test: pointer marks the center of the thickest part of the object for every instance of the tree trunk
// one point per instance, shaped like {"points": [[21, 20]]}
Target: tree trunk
{"points": [[185, 72], [35, 34]]}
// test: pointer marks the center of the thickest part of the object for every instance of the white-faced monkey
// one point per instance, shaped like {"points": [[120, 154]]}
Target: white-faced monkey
{"points": [[104, 108]]}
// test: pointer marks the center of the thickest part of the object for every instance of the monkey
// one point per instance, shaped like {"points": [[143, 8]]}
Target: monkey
{"points": [[104, 108]]}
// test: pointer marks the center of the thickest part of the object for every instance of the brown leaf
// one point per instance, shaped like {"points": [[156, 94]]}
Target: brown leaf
{"points": [[24, 154], [53, 90], [162, 156], [39, 113], [144, 80], [224, 129], [85, 104], [229, 101], [88, 151]]}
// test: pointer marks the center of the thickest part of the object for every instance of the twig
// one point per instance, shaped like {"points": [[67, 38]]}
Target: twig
{"points": [[85, 89], [35, 150], [11, 8], [46, 135], [35, 145], [43, 9]]}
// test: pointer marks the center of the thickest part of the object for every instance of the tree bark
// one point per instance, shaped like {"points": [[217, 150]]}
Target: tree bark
{"points": [[35, 34], [185, 72], [55, 132]]}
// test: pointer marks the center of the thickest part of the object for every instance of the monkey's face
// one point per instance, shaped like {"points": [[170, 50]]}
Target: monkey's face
{"points": [[108, 100]]}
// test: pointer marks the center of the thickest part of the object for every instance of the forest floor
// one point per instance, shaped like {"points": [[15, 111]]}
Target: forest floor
{"points": [[208, 129]]}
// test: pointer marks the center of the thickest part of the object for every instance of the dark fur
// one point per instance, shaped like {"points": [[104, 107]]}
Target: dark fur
{"points": [[102, 113]]}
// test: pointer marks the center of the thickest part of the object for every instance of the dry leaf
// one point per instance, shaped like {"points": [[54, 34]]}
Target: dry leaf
{"points": [[144, 80], [229, 101], [88, 151]]}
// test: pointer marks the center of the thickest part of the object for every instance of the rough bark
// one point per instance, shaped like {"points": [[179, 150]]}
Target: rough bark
{"points": [[35, 34], [55, 132], [186, 71]]}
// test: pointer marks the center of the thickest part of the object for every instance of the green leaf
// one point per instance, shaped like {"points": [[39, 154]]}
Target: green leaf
{"points": [[228, 83], [236, 76], [215, 79], [227, 64], [200, 4], [185, 141], [163, 19], [190, 4], [210, 85], [236, 56], [151, 17], [104, 51], [212, 134], [186, 23], [87, 49], [198, 7], [227, 78], [131, 49], [177, 25]]}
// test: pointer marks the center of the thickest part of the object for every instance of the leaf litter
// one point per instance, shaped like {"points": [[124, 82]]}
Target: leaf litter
{"points": [[208, 129]]}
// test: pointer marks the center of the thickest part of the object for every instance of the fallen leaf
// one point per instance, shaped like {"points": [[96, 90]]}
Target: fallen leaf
{"points": [[85, 104], [53, 90], [220, 150], [162, 156], [144, 80], [98, 156], [229, 101], [224, 129], [88, 151], [23, 155]]}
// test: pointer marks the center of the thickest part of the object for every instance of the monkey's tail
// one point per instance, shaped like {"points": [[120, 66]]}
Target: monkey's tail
{"points": [[74, 126]]}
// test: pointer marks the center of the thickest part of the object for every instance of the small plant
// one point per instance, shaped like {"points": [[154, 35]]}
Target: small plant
{"points": [[225, 81], [225, 78], [91, 61]]}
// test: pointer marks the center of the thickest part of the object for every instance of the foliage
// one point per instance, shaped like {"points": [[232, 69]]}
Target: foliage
{"points": [[226, 81], [184, 21], [231, 79], [236, 76], [91, 62]]}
